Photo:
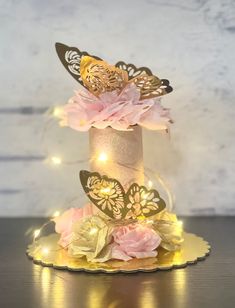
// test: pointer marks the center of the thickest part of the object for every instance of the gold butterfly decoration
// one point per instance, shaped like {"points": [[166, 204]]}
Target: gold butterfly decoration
{"points": [[99, 77], [110, 197]]}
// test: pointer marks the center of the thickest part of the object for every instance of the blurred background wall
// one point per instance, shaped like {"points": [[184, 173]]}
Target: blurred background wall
{"points": [[190, 42]]}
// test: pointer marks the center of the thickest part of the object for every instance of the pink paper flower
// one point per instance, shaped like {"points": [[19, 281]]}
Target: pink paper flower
{"points": [[134, 240], [64, 222], [118, 110], [156, 118]]}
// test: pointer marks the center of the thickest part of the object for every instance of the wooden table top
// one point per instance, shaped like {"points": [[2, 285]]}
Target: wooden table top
{"points": [[210, 283]]}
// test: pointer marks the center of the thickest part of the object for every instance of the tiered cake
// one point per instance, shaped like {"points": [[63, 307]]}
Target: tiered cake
{"points": [[126, 225]]}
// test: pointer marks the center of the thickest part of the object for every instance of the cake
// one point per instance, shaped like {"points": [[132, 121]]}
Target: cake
{"points": [[126, 224]]}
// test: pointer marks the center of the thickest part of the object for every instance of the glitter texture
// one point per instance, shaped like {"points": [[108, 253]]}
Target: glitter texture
{"points": [[124, 150]]}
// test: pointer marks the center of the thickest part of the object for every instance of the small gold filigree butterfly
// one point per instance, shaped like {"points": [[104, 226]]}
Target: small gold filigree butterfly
{"points": [[99, 77], [110, 197]]}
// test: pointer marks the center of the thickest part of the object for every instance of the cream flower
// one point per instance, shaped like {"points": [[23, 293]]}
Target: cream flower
{"points": [[64, 222], [91, 238], [169, 229]]}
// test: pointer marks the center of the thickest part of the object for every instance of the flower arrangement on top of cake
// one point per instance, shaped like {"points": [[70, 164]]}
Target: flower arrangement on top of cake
{"points": [[116, 96]]}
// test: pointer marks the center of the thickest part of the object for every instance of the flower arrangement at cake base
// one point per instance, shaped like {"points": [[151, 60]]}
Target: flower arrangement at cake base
{"points": [[126, 231], [87, 242]]}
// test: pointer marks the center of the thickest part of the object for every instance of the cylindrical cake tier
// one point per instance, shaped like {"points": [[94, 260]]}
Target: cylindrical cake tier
{"points": [[124, 152]]}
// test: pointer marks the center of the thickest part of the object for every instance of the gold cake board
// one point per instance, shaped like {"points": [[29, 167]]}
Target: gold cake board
{"points": [[47, 252]]}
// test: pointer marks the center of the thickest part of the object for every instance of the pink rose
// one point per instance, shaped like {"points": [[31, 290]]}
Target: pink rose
{"points": [[136, 241], [64, 222]]}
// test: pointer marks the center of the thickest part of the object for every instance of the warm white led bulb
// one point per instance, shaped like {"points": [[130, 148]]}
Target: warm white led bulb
{"points": [[180, 223], [103, 157], [150, 184], [56, 160], [56, 214], [45, 250], [93, 230], [57, 112], [36, 233], [105, 190]]}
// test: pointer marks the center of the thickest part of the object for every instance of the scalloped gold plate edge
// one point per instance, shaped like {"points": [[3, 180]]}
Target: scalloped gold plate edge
{"points": [[193, 249]]}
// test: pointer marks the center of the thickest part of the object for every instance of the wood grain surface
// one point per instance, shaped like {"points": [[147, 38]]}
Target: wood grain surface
{"points": [[209, 283]]}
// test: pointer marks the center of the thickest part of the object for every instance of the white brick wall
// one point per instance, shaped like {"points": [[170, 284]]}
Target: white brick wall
{"points": [[187, 41]]}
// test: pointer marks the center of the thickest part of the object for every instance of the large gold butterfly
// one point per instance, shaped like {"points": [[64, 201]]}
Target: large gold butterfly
{"points": [[99, 77], [110, 197]]}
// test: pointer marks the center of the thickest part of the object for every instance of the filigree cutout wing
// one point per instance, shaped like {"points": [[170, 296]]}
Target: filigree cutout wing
{"points": [[149, 85], [100, 77], [132, 70], [71, 58], [142, 202], [105, 193]]}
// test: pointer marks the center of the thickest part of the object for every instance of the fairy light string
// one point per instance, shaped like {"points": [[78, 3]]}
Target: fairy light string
{"points": [[113, 223], [102, 157]]}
